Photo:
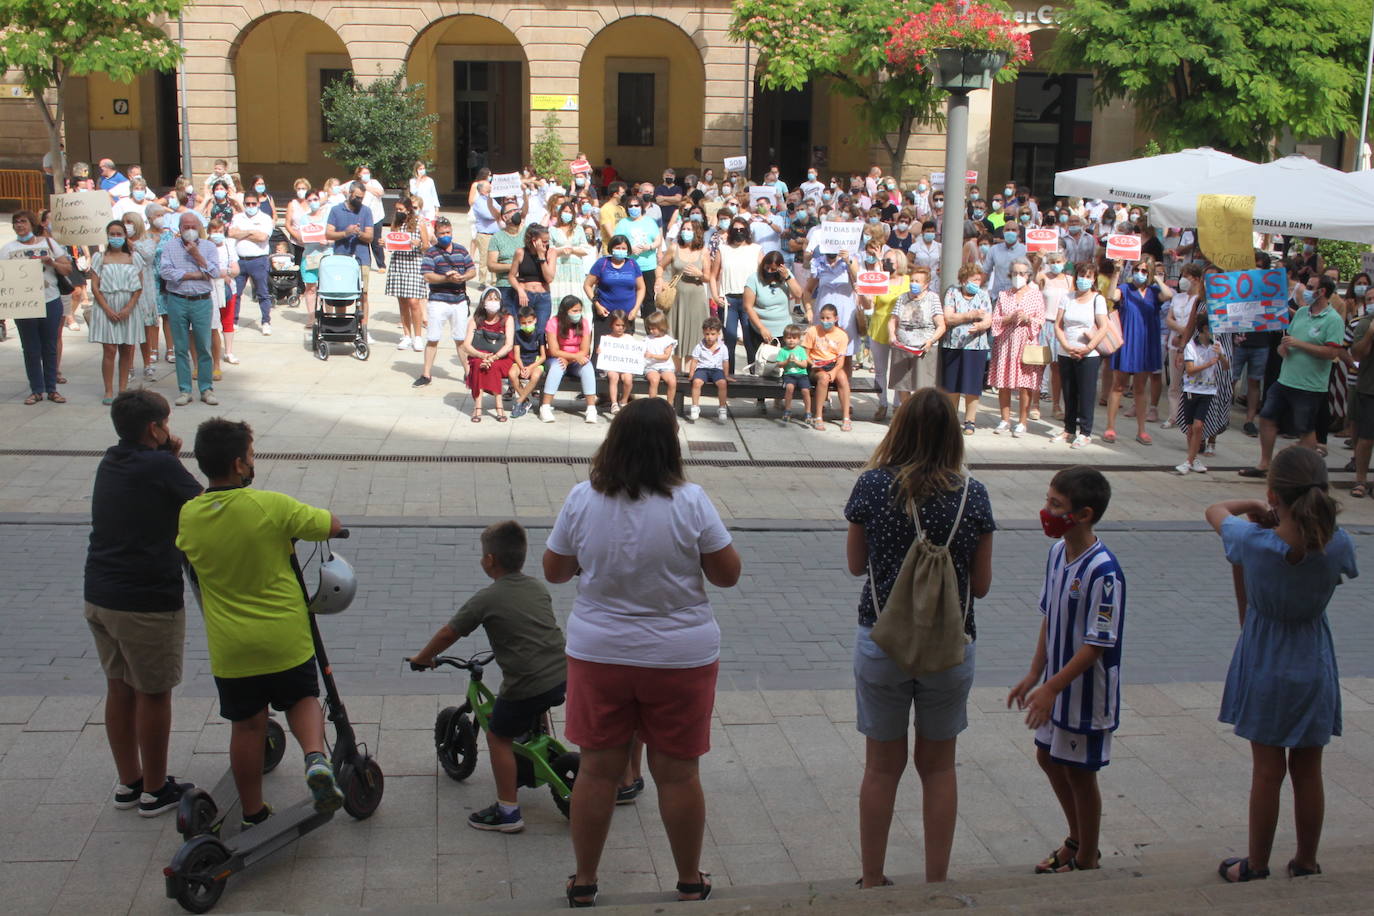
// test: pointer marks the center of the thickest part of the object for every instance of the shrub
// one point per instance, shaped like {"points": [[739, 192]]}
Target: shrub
{"points": [[382, 125]]}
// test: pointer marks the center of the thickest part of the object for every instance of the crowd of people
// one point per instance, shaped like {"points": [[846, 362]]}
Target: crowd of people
{"points": [[715, 266]]}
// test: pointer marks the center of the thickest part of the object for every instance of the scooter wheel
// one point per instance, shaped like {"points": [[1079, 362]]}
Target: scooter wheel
{"points": [[196, 888], [566, 766], [276, 746], [196, 814], [455, 743], [363, 789]]}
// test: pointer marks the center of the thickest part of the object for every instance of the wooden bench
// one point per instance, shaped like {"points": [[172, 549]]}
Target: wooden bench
{"points": [[744, 387]]}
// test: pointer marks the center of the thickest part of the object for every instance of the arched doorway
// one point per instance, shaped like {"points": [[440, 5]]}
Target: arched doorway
{"points": [[477, 81], [282, 63], [643, 91]]}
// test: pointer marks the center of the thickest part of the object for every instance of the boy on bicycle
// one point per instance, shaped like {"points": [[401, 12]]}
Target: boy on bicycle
{"points": [[517, 615]]}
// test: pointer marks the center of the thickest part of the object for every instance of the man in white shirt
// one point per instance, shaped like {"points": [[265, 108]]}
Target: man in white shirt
{"points": [[766, 226], [812, 188], [250, 230]]}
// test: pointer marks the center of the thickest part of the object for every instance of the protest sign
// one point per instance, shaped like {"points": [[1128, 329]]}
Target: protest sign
{"points": [[1243, 301], [762, 192], [580, 167], [80, 218], [837, 237], [312, 233], [620, 354], [1123, 247], [736, 163], [1042, 240], [872, 283], [971, 177], [506, 185], [937, 179], [21, 288], [1367, 262], [398, 241]]}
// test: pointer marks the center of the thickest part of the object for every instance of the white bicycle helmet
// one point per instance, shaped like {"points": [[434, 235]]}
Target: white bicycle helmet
{"points": [[338, 585]]}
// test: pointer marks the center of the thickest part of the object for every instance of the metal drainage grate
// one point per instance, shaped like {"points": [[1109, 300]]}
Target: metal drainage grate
{"points": [[712, 446]]}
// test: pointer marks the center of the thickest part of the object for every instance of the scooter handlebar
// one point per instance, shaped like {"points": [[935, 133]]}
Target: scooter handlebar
{"points": [[343, 534]]}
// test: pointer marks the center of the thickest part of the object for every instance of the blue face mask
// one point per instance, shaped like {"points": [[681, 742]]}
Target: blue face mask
{"points": [[1308, 295], [634, 212], [1075, 230], [870, 258], [586, 209], [697, 218], [217, 238], [1054, 268], [620, 254], [687, 236], [220, 193], [1141, 279], [827, 196], [116, 241], [565, 217], [250, 211], [445, 240], [1063, 218], [928, 237], [971, 288], [26, 237], [1083, 283], [260, 188], [827, 323], [1011, 238], [916, 288], [140, 194], [983, 249], [978, 214]]}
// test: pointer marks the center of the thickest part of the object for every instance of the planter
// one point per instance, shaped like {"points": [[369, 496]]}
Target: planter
{"points": [[965, 69]]}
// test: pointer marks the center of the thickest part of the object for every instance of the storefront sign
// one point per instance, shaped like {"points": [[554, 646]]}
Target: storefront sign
{"points": [[872, 283], [1045, 14], [1242, 301], [553, 103], [21, 288], [620, 354], [398, 241], [507, 185], [1042, 240], [80, 219], [1123, 247]]}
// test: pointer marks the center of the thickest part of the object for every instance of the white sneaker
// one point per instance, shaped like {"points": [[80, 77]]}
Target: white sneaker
{"points": [[231, 359], [1018, 430], [694, 412], [267, 330], [722, 415], [546, 413], [370, 338], [417, 344], [1199, 467], [592, 415], [1002, 427], [404, 344], [1080, 441], [1183, 468]]}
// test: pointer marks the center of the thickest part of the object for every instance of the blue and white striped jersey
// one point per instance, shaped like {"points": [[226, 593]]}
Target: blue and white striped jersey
{"points": [[1085, 603]]}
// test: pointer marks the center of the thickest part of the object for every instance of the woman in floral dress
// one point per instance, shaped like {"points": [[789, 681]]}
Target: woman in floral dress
{"points": [[1016, 321]]}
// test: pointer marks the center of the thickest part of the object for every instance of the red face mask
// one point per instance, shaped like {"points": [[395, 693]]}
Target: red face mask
{"points": [[1056, 526]]}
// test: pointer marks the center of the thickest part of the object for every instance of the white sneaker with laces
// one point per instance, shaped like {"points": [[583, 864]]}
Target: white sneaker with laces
{"points": [[267, 330], [722, 415], [1199, 467], [592, 415], [1018, 430], [231, 359], [1080, 441], [693, 412], [1183, 468], [403, 344], [417, 344], [1002, 427], [546, 413]]}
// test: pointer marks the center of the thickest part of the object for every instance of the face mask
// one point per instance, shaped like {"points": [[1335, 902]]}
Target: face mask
{"points": [[971, 288], [586, 209], [827, 196], [1141, 279], [996, 205], [697, 218], [687, 236], [139, 194], [1025, 217], [973, 195], [1185, 284], [620, 253], [250, 211], [916, 288], [1361, 289], [247, 479], [1063, 219], [565, 217], [892, 185], [979, 214], [300, 193], [444, 240], [355, 204], [1134, 217], [527, 328], [172, 201], [581, 182], [1056, 526], [1307, 249], [827, 323], [365, 176], [983, 249], [1083, 283], [921, 188], [575, 317], [1018, 281], [870, 258], [217, 238], [903, 227], [873, 220], [26, 237], [1009, 192], [190, 235], [737, 233], [260, 188], [313, 205], [939, 203], [1011, 238], [723, 225], [810, 176], [634, 212], [1308, 295], [1056, 269], [116, 241], [1075, 230], [928, 237]]}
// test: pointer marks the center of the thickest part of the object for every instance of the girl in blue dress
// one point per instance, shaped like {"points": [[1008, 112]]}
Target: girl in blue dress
{"points": [[1282, 690], [1138, 300]]}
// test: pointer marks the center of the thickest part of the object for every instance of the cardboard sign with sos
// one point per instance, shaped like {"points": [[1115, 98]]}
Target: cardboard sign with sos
{"points": [[1123, 247], [312, 233], [872, 283], [580, 167], [1242, 301], [398, 241], [1045, 240]]}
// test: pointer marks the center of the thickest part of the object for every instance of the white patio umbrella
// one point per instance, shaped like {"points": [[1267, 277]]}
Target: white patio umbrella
{"points": [[1143, 180], [1294, 196]]}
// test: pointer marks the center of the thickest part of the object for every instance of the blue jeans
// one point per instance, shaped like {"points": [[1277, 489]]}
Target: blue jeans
{"points": [[586, 372], [257, 269], [735, 317], [191, 317], [510, 300], [38, 339], [542, 304]]}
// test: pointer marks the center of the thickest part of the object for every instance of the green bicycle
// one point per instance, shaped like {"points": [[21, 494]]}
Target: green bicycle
{"points": [[540, 759]]}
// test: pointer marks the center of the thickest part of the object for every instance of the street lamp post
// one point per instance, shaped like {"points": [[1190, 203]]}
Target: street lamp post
{"points": [[959, 71]]}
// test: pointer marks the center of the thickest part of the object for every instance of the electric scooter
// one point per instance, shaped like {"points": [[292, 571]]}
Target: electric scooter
{"points": [[217, 848]]}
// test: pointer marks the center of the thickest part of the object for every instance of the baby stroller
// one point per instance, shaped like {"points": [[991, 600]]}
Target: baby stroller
{"points": [[341, 286], [284, 285]]}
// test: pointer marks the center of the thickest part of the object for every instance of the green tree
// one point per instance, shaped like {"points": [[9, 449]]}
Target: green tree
{"points": [[801, 40], [382, 125], [50, 40], [546, 155], [1231, 74]]}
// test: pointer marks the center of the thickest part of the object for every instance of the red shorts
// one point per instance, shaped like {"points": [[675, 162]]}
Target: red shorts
{"points": [[226, 314], [668, 708]]}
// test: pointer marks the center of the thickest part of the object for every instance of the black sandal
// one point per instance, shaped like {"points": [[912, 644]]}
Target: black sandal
{"points": [[580, 890], [1297, 871], [1054, 863], [1245, 873], [887, 882], [1253, 472], [702, 888]]}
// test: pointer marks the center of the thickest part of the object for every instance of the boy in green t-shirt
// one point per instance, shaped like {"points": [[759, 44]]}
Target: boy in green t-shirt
{"points": [[239, 542], [796, 376], [517, 615]]}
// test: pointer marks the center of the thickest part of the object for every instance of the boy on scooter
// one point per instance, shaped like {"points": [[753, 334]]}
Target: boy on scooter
{"points": [[517, 614], [239, 542]]}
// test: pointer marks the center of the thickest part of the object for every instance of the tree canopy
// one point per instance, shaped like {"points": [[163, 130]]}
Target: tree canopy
{"points": [[382, 125], [1232, 75]]}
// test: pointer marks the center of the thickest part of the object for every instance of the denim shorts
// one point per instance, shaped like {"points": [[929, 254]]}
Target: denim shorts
{"points": [[709, 376], [885, 695], [1249, 363], [802, 382], [1299, 407]]}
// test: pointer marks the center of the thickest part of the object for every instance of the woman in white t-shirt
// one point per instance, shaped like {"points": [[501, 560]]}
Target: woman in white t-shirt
{"points": [[1178, 318], [642, 641], [422, 186], [1079, 327]]}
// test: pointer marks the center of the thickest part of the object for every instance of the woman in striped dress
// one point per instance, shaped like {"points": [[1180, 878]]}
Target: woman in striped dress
{"points": [[144, 243], [403, 280], [1218, 418], [116, 284], [569, 241]]}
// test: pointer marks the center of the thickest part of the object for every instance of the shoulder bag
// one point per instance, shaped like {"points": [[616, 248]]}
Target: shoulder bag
{"points": [[667, 297]]}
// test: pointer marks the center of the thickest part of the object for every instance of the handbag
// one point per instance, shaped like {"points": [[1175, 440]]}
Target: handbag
{"points": [[313, 259], [1113, 339], [666, 297], [1036, 355], [64, 285], [766, 363]]}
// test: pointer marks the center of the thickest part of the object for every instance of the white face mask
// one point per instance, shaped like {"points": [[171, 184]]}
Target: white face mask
{"points": [[1185, 284], [491, 307], [1018, 281]]}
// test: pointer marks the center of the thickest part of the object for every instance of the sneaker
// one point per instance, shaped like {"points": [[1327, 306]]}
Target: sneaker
{"points": [[1183, 468], [626, 795], [151, 804], [231, 359], [1004, 426], [421, 382], [1018, 430], [1080, 441], [126, 797], [546, 413], [786, 417], [693, 412], [319, 776], [491, 818], [1199, 467], [370, 339], [615, 409], [417, 344], [404, 344], [1250, 429], [261, 817], [722, 415], [519, 410], [208, 396], [267, 330], [592, 415], [183, 399], [150, 374]]}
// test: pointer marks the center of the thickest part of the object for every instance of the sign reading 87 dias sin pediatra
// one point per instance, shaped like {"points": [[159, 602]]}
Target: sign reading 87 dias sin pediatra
{"points": [[80, 218], [21, 288], [620, 354]]}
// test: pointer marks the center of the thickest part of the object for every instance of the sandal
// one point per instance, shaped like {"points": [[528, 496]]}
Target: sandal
{"points": [[1259, 473], [818, 425], [887, 882], [477, 418], [1152, 415], [847, 426], [61, 379], [500, 418], [56, 398], [1053, 863], [1297, 871], [1349, 466], [32, 400], [1359, 491], [581, 890], [1072, 865], [1144, 439], [1109, 436], [969, 428], [702, 888], [1245, 874]]}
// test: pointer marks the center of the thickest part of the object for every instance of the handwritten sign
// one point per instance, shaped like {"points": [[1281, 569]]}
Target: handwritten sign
{"points": [[80, 219], [971, 177], [506, 185], [1042, 240], [312, 233], [580, 167], [1123, 247], [1242, 301], [1367, 262], [937, 179], [398, 241], [736, 163], [837, 237], [21, 288], [872, 283], [762, 192], [620, 354]]}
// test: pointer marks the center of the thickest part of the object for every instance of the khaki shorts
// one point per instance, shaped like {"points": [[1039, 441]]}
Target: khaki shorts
{"points": [[142, 649]]}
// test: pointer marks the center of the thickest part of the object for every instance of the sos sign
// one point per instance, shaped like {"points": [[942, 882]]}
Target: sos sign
{"points": [[1247, 286]]}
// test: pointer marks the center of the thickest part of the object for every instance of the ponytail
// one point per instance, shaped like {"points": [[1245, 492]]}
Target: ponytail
{"points": [[1298, 477]]}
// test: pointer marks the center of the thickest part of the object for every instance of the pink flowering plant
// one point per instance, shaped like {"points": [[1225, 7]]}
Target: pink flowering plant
{"points": [[969, 26]]}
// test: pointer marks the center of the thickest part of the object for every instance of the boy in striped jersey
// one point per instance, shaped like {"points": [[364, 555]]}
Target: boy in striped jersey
{"points": [[1072, 695]]}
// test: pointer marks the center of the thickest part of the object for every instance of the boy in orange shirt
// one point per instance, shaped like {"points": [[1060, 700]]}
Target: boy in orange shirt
{"points": [[825, 345]]}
